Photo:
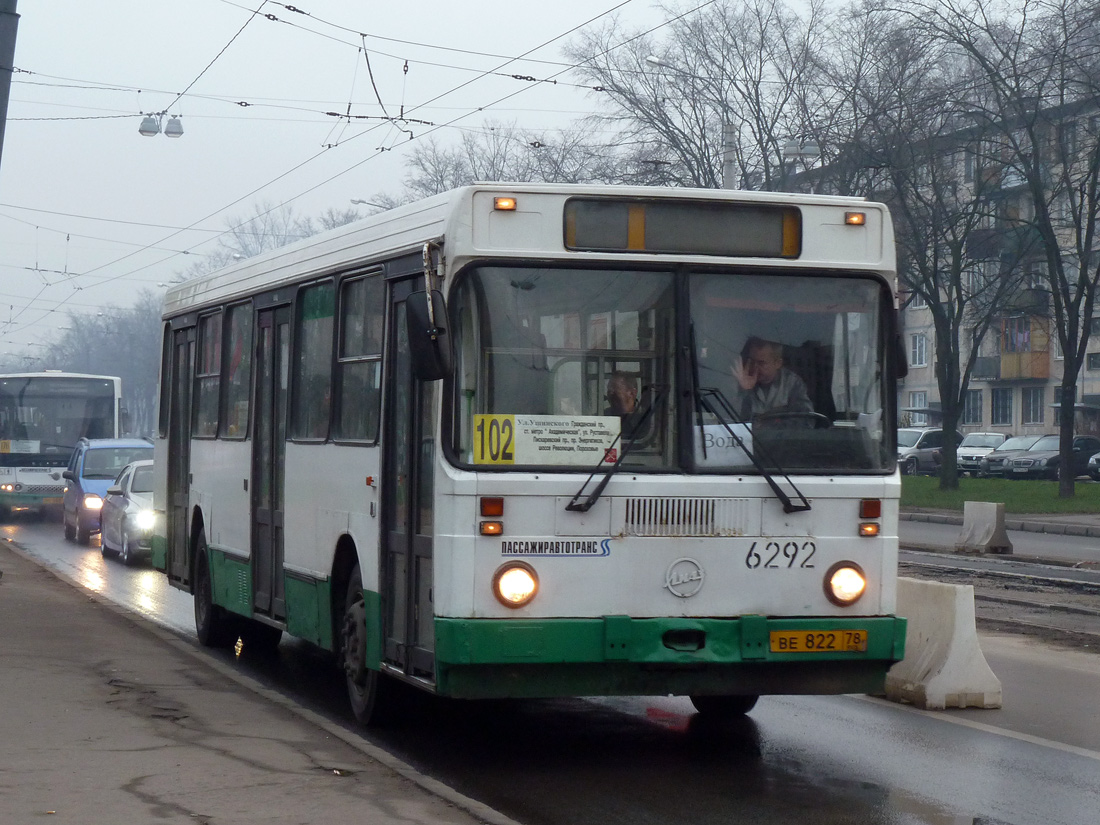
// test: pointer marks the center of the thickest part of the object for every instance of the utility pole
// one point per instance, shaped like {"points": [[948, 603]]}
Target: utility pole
{"points": [[9, 22]]}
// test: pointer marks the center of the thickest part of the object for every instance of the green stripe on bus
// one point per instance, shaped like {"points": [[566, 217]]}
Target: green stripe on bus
{"points": [[650, 641], [618, 655], [308, 615]]}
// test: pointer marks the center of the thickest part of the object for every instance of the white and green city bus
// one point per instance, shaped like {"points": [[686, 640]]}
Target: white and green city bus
{"points": [[42, 416], [392, 440]]}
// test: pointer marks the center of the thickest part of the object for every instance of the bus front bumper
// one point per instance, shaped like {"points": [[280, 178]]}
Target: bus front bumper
{"points": [[620, 655]]}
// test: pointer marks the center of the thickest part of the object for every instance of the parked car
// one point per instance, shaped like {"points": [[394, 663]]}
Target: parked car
{"points": [[974, 446], [993, 464], [126, 520], [94, 464], [1043, 461], [918, 449], [1094, 467]]}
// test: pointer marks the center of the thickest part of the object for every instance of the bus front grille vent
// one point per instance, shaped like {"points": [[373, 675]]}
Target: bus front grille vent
{"points": [[686, 516]]}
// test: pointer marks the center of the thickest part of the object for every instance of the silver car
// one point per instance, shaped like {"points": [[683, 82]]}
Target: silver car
{"points": [[919, 449], [974, 447], [127, 515]]}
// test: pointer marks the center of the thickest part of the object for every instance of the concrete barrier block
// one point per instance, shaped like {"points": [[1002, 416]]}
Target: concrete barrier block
{"points": [[983, 529], [943, 665]]}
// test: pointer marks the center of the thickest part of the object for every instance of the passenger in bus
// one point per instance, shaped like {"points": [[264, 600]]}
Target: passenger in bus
{"points": [[622, 395], [764, 385], [622, 400]]}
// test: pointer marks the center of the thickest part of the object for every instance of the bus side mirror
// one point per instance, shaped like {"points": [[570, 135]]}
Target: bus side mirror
{"points": [[902, 365], [429, 342]]}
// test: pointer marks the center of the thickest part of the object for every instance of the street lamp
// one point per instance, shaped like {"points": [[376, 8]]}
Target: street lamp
{"points": [[359, 202], [653, 60], [806, 151], [151, 124]]}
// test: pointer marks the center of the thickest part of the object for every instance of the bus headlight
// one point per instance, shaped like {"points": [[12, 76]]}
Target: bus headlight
{"points": [[845, 583], [515, 584], [144, 519], [92, 502]]}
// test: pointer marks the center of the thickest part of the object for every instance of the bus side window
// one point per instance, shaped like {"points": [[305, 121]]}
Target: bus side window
{"points": [[358, 360]]}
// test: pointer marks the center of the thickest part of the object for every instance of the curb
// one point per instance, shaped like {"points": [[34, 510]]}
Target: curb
{"points": [[181, 644], [1023, 525]]}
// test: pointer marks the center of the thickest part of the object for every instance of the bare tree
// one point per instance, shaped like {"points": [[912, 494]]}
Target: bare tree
{"points": [[720, 96], [907, 134], [1038, 113]]}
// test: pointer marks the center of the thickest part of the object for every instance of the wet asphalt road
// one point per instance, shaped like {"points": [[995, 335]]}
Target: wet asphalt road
{"points": [[650, 760]]}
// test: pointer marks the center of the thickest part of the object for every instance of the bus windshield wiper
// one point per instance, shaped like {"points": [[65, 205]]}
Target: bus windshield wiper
{"points": [[575, 504], [713, 401]]}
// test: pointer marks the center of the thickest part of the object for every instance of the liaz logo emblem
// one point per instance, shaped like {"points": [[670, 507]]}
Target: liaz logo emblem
{"points": [[684, 578]]}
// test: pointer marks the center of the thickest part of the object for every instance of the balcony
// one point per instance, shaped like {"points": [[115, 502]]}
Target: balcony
{"points": [[1019, 365], [986, 368]]}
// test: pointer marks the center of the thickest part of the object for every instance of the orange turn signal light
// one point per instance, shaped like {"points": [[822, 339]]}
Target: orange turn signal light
{"points": [[870, 508], [492, 528], [492, 507], [855, 218], [504, 204], [868, 528]]}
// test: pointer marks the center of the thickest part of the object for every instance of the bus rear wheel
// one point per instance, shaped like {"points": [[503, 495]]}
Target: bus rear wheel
{"points": [[724, 706], [213, 625], [369, 691]]}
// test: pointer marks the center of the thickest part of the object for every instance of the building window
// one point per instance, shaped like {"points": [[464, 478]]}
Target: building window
{"points": [[1092, 360], [916, 301], [918, 350], [919, 401], [972, 407], [1031, 405], [1002, 407], [1066, 404], [1016, 335]]}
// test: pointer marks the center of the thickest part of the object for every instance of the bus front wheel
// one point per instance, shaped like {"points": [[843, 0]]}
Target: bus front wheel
{"points": [[213, 625], [368, 689], [724, 705]]}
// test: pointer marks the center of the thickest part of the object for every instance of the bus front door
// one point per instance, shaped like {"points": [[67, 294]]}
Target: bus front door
{"points": [[407, 614], [178, 556], [268, 450]]}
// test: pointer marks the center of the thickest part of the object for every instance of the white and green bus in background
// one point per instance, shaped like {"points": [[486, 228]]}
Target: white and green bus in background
{"points": [[42, 416], [394, 440]]}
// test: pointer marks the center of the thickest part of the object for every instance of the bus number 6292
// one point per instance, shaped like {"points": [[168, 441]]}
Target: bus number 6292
{"points": [[774, 553]]}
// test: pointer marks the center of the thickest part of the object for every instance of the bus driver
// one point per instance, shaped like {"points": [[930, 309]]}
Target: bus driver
{"points": [[764, 384]]}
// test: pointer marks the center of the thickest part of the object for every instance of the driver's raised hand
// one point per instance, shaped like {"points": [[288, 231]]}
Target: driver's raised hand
{"points": [[744, 374]]}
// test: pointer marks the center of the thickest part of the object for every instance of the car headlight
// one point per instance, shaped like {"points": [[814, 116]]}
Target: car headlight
{"points": [[92, 502], [144, 519], [515, 583], [845, 583]]}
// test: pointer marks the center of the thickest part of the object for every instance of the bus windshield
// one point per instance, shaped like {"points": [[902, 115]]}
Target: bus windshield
{"points": [[563, 368], [45, 416]]}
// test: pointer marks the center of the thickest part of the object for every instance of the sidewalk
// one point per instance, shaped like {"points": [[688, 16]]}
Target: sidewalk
{"points": [[106, 718]]}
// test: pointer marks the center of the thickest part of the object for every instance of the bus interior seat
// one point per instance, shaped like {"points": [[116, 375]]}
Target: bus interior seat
{"points": [[812, 361]]}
